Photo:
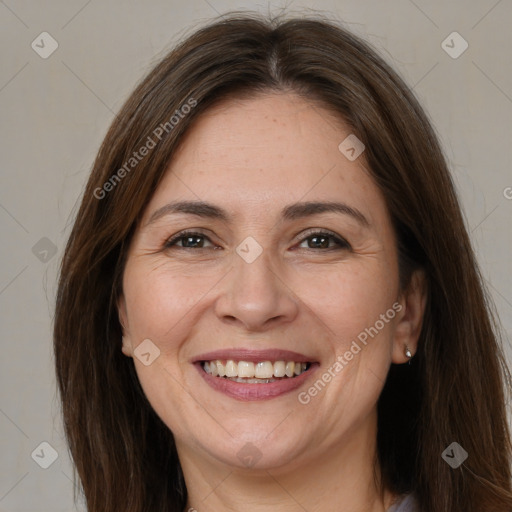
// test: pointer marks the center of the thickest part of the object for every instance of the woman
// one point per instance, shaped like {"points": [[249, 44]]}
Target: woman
{"points": [[269, 300]]}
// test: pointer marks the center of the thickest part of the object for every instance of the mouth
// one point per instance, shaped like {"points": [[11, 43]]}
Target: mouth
{"points": [[255, 375]]}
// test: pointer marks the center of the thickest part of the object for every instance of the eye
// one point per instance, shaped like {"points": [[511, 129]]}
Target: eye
{"points": [[316, 240], [188, 239], [322, 239]]}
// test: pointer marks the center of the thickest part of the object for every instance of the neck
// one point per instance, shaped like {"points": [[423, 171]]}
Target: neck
{"points": [[344, 477]]}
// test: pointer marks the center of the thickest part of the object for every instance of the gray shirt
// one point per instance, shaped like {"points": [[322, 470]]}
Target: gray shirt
{"points": [[405, 504]]}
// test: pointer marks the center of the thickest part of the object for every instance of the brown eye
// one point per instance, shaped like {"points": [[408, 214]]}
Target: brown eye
{"points": [[188, 240], [322, 240]]}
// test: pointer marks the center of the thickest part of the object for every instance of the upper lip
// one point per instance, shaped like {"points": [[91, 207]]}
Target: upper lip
{"points": [[245, 354]]}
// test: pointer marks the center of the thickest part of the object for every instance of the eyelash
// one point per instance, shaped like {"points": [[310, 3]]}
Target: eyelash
{"points": [[342, 243]]}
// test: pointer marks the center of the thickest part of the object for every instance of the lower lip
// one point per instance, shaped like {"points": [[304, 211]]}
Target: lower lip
{"points": [[250, 392]]}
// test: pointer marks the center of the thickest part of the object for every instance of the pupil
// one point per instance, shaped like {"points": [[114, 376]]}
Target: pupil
{"points": [[323, 244], [191, 239]]}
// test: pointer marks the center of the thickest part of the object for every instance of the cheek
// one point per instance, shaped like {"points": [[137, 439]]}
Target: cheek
{"points": [[160, 307], [356, 304], [159, 299], [351, 297]]}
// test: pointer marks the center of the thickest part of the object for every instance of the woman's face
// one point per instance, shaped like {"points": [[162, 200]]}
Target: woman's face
{"points": [[263, 282]]}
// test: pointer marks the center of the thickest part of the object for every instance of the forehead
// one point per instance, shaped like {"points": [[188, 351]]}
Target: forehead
{"points": [[256, 155]]}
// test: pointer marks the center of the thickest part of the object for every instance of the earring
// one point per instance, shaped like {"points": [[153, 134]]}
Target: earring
{"points": [[408, 353]]}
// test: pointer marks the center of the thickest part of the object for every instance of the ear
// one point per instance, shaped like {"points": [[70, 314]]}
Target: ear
{"points": [[410, 318], [127, 348]]}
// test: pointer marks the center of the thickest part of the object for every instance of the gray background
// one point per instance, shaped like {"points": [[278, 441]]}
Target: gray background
{"points": [[55, 112]]}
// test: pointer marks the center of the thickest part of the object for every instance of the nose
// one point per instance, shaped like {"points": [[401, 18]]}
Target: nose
{"points": [[255, 296]]}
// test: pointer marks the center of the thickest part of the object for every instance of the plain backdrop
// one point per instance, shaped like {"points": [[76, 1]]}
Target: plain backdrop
{"points": [[55, 111]]}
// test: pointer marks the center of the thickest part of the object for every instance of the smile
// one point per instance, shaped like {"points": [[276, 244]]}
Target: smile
{"points": [[249, 372], [248, 375]]}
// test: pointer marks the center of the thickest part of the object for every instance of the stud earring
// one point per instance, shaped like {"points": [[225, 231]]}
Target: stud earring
{"points": [[408, 353]]}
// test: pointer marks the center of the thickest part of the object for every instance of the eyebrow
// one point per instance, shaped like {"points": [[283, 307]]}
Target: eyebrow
{"points": [[290, 212]]}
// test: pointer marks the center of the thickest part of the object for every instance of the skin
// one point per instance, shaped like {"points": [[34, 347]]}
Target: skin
{"points": [[253, 157]]}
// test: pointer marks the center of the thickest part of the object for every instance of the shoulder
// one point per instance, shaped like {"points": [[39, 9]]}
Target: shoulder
{"points": [[406, 503]]}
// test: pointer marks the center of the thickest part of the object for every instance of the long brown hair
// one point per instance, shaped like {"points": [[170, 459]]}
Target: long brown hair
{"points": [[454, 391]]}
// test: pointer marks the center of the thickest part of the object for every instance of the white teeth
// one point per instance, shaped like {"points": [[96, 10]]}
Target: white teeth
{"points": [[221, 369], [249, 372], [290, 369], [231, 368], [246, 369], [264, 370], [279, 369], [252, 381]]}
